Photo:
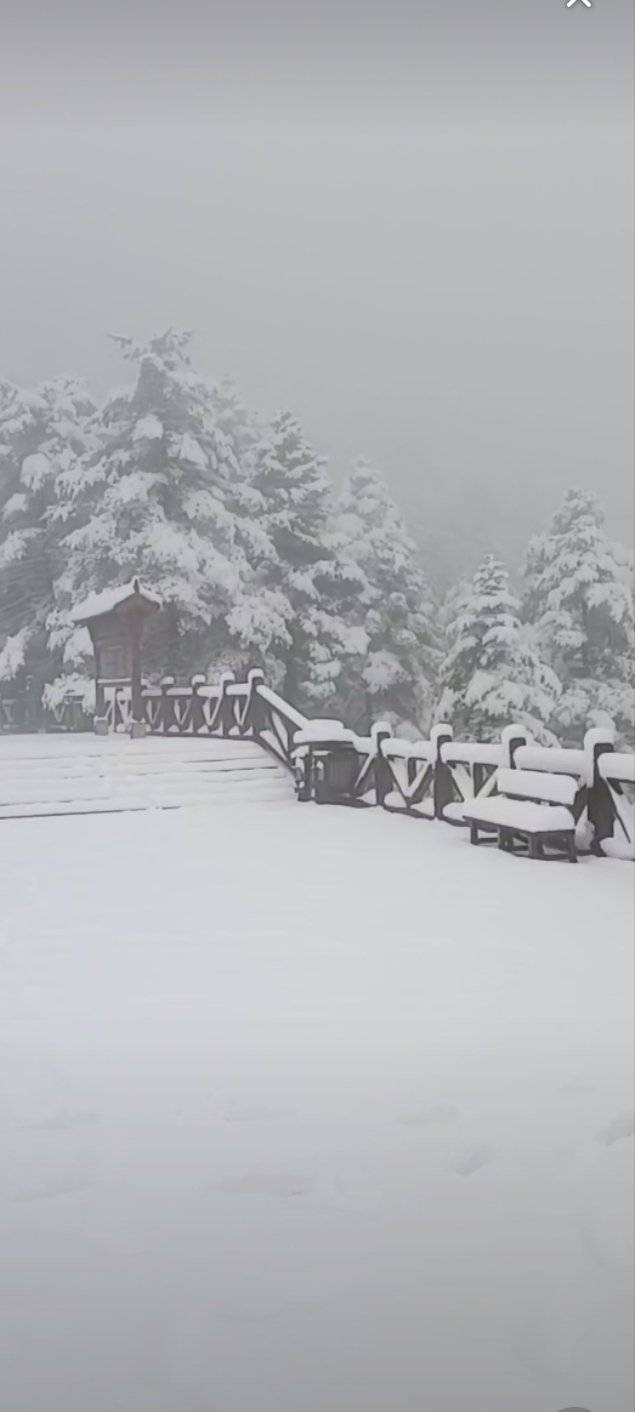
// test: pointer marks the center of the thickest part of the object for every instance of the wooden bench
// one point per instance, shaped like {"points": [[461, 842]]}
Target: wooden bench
{"points": [[532, 808]]}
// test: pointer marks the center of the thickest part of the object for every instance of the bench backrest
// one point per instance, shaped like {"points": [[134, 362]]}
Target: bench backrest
{"points": [[538, 785], [555, 761]]}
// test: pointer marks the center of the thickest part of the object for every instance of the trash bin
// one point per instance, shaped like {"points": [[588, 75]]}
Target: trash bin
{"points": [[326, 763], [335, 770]]}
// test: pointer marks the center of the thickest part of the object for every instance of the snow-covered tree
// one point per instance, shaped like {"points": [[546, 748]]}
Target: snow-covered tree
{"points": [[579, 596], [154, 499], [307, 588], [395, 680], [492, 675], [43, 435]]}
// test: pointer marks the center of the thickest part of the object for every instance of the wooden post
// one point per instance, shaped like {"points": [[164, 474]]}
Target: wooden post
{"points": [[601, 810], [100, 695], [198, 716], [514, 745], [135, 669], [443, 789], [167, 708], [227, 717], [256, 714], [383, 777]]}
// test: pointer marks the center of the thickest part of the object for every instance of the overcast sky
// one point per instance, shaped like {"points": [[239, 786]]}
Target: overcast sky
{"points": [[411, 223]]}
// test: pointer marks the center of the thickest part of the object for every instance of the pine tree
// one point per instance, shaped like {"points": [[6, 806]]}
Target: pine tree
{"points": [[492, 675], [579, 596], [307, 587], [43, 435], [154, 499], [396, 610]]}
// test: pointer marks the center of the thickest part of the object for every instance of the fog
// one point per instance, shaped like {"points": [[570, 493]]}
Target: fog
{"points": [[410, 224]]}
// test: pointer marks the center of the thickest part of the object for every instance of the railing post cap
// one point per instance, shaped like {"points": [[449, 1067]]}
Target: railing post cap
{"points": [[514, 732], [443, 730], [168, 681], [198, 679], [255, 674], [597, 737]]}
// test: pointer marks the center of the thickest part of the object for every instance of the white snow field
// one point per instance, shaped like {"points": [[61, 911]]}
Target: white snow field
{"points": [[310, 1109]]}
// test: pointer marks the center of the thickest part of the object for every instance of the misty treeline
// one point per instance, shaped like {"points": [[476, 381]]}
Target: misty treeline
{"points": [[260, 561]]}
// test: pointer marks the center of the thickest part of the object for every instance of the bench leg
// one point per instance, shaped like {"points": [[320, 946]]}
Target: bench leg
{"points": [[502, 841], [534, 847], [571, 849], [473, 833]]}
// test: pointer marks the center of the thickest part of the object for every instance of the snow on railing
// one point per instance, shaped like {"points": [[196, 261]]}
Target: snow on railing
{"points": [[248, 710], [24, 712], [435, 778], [11, 714], [333, 764], [468, 770], [410, 773], [429, 779], [275, 722], [229, 709], [439, 777]]}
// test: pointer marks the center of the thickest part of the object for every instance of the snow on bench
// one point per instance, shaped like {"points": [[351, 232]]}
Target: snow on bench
{"points": [[535, 784], [533, 806], [578, 764], [539, 795], [468, 769]]}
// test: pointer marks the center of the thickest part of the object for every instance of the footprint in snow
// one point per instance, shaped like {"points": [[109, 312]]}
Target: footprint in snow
{"points": [[430, 1117], [621, 1127], [64, 1122], [471, 1161], [65, 1184], [284, 1186], [257, 1115]]}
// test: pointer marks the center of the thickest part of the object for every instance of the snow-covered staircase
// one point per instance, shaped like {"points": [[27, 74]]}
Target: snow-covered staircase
{"points": [[88, 775]]}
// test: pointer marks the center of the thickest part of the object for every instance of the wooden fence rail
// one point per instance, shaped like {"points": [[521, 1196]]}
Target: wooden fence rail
{"points": [[435, 779]]}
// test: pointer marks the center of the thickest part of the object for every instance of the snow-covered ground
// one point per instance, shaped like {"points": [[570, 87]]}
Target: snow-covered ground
{"points": [[311, 1110]]}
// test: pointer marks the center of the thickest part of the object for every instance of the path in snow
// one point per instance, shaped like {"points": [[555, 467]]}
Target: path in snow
{"points": [[311, 1110]]}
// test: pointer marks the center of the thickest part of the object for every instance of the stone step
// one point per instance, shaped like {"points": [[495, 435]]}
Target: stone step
{"points": [[122, 805], [121, 779], [44, 776], [57, 747], [53, 771]]}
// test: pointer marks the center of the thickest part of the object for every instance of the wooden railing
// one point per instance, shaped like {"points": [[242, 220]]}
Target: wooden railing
{"points": [[239, 710], [230, 710], [437, 778], [24, 712], [427, 779]]}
